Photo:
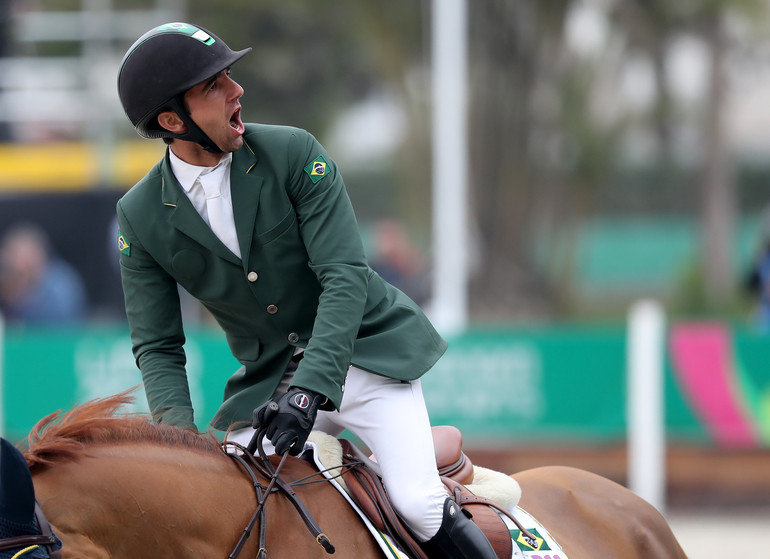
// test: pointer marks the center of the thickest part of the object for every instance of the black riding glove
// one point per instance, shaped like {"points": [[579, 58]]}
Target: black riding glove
{"points": [[290, 419]]}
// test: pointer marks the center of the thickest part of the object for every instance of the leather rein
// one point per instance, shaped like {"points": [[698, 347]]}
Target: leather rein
{"points": [[245, 457], [46, 538]]}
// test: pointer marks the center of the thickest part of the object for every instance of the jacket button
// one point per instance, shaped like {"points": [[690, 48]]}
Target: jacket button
{"points": [[272, 309], [252, 277], [294, 337]]}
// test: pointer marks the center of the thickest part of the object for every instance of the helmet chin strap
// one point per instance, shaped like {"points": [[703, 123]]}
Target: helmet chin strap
{"points": [[194, 132]]}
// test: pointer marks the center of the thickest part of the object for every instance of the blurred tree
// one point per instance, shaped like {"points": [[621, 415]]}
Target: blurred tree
{"points": [[652, 25], [649, 27], [550, 131], [718, 193], [539, 154], [312, 58]]}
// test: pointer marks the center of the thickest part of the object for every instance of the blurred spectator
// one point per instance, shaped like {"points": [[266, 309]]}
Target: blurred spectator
{"points": [[397, 259], [36, 287], [759, 277]]}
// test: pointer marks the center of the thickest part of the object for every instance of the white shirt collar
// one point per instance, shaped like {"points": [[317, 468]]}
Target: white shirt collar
{"points": [[187, 174]]}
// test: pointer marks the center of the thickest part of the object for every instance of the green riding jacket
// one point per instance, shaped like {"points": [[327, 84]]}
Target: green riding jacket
{"points": [[303, 281]]}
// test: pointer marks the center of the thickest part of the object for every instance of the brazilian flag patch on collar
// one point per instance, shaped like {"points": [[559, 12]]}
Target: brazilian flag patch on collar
{"points": [[123, 245], [317, 169]]}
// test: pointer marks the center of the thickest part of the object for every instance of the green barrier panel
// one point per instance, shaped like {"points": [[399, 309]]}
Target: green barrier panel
{"points": [[50, 370], [555, 384]]}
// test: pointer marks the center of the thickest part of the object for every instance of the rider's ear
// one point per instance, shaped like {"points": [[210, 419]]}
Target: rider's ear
{"points": [[170, 121]]}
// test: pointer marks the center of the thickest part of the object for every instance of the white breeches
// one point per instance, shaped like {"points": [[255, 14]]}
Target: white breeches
{"points": [[390, 418]]}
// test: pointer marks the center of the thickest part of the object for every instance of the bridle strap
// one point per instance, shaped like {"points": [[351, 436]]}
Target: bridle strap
{"points": [[307, 518], [258, 514], [45, 528], [246, 458], [17, 542], [46, 539]]}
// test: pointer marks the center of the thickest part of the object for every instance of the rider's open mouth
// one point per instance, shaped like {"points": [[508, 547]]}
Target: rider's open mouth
{"points": [[235, 121]]}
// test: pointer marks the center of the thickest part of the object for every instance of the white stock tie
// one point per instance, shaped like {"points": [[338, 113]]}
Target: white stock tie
{"points": [[219, 209]]}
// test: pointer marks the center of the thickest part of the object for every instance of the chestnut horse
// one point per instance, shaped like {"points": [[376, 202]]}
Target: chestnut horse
{"points": [[121, 487]]}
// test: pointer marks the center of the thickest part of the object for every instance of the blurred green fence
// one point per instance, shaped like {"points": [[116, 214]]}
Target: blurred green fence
{"points": [[549, 385]]}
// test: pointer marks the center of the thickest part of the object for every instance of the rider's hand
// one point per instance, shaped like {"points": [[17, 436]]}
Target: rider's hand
{"points": [[289, 419]]}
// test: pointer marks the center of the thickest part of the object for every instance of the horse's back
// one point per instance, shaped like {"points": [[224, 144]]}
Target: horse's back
{"points": [[594, 517]]}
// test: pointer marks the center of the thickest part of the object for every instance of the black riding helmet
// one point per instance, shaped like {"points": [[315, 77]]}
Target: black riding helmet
{"points": [[160, 67]]}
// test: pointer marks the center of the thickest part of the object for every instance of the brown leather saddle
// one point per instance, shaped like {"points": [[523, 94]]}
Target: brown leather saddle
{"points": [[456, 470]]}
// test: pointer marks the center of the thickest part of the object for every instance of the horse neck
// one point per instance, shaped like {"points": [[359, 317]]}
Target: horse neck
{"points": [[132, 500], [169, 495]]}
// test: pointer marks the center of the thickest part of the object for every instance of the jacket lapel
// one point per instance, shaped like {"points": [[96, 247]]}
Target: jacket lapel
{"points": [[185, 217], [244, 190]]}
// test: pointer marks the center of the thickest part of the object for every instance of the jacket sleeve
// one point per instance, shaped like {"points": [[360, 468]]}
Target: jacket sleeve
{"points": [[336, 255], [155, 320]]}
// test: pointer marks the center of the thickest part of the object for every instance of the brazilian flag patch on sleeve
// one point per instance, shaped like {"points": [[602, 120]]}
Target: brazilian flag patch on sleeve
{"points": [[317, 169], [123, 245]]}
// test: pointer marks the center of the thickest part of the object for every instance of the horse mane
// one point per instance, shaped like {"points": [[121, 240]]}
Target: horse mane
{"points": [[64, 436]]}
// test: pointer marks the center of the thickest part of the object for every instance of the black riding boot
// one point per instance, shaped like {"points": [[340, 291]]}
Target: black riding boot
{"points": [[458, 537]]}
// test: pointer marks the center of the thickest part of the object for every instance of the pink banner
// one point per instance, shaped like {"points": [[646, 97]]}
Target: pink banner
{"points": [[702, 354]]}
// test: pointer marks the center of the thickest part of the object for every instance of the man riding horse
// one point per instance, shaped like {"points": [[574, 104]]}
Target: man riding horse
{"points": [[254, 221], [24, 532]]}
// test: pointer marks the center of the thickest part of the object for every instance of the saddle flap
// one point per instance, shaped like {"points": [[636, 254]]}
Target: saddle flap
{"points": [[364, 496], [366, 489]]}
